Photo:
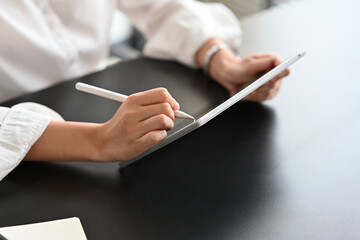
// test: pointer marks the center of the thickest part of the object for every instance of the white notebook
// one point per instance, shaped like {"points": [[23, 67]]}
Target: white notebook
{"points": [[64, 229]]}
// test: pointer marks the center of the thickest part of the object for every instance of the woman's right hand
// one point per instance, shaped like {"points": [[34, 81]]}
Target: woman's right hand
{"points": [[140, 122]]}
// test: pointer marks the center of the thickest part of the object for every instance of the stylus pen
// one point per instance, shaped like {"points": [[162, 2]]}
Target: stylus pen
{"points": [[118, 97]]}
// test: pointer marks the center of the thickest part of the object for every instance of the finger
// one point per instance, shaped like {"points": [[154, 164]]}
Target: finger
{"points": [[266, 87], [250, 97], [276, 79], [262, 55], [158, 122], [270, 87], [262, 64], [256, 97], [276, 83], [283, 74], [153, 96], [233, 92], [278, 60], [151, 138], [149, 111], [265, 92]]}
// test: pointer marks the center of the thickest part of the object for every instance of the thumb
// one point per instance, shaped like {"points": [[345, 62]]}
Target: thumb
{"points": [[263, 64]]}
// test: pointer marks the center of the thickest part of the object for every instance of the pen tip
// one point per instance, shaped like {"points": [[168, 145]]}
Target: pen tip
{"points": [[182, 114]]}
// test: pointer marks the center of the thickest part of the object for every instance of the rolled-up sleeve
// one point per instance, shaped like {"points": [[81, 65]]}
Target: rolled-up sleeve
{"points": [[176, 29], [19, 130]]}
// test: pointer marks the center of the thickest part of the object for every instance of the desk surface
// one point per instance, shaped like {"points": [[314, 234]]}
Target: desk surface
{"points": [[286, 169]]}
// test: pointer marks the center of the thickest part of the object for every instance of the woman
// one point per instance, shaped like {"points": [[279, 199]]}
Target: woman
{"points": [[47, 41]]}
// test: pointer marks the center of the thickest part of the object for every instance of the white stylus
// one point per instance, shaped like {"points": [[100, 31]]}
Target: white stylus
{"points": [[118, 97]]}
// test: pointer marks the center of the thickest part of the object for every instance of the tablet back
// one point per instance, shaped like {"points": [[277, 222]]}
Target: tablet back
{"points": [[210, 110]]}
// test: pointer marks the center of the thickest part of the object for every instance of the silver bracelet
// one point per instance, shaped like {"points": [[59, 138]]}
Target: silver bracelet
{"points": [[210, 53]]}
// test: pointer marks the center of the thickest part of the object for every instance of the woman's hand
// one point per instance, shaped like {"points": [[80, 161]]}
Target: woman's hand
{"points": [[140, 122], [234, 73]]}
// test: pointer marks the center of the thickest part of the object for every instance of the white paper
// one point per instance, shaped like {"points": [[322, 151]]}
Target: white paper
{"points": [[64, 229]]}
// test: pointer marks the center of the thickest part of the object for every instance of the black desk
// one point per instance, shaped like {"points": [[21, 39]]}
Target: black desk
{"points": [[190, 181], [286, 169]]}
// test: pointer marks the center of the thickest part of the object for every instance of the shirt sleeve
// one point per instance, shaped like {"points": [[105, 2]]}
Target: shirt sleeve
{"points": [[176, 29], [19, 130]]}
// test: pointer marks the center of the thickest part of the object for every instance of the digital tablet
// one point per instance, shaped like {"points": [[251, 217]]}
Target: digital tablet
{"points": [[182, 126]]}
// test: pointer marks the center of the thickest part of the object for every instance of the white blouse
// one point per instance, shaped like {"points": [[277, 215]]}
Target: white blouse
{"points": [[44, 42]]}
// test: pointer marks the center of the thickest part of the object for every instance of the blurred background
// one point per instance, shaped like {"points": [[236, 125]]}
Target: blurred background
{"points": [[127, 42], [243, 8]]}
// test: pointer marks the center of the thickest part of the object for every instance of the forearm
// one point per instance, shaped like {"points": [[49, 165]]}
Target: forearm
{"points": [[66, 141], [140, 122], [176, 29]]}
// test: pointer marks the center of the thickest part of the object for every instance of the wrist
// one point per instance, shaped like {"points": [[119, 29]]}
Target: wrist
{"points": [[99, 140], [91, 146], [201, 53], [220, 65], [220, 60]]}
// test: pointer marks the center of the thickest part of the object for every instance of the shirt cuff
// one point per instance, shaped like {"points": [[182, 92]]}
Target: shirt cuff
{"points": [[19, 130], [188, 27]]}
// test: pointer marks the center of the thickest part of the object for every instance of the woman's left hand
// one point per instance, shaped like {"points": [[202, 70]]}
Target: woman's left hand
{"points": [[234, 73]]}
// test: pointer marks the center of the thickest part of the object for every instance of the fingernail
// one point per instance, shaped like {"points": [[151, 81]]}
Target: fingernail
{"points": [[177, 105]]}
